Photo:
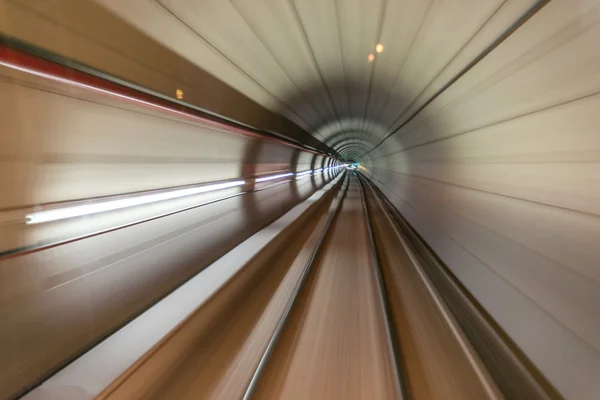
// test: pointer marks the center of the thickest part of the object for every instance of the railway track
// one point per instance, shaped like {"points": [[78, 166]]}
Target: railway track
{"points": [[338, 307]]}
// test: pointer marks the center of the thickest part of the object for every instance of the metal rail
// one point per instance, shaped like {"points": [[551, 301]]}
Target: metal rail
{"points": [[392, 335], [255, 380], [514, 375], [478, 367]]}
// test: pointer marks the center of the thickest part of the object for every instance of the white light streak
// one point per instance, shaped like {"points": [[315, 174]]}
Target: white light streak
{"points": [[272, 177], [111, 205]]}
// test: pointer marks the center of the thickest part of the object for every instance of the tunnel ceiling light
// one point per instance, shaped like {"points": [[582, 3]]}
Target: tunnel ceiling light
{"points": [[371, 57], [270, 178], [379, 48], [111, 205], [179, 94]]}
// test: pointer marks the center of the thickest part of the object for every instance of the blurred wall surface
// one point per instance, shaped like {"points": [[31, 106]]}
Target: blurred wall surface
{"points": [[479, 120], [66, 284]]}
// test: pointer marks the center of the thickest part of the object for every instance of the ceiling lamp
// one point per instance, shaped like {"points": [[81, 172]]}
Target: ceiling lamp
{"points": [[379, 48]]}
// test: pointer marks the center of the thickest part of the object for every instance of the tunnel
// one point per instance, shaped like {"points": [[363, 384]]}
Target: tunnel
{"points": [[353, 199]]}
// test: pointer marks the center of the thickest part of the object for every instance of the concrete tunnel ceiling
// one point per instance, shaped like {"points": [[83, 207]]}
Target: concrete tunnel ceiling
{"points": [[309, 60], [478, 121]]}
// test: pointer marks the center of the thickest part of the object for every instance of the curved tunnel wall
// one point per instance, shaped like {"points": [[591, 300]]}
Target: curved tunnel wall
{"points": [[66, 284], [485, 130], [499, 174]]}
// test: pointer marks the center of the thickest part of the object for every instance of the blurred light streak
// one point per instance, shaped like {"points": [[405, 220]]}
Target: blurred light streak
{"points": [[270, 178], [111, 205], [303, 173]]}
